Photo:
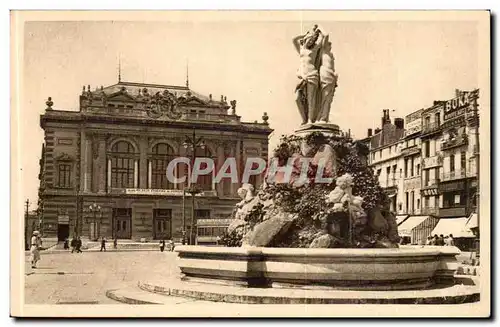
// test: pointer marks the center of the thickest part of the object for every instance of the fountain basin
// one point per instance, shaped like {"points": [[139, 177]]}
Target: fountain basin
{"points": [[356, 269]]}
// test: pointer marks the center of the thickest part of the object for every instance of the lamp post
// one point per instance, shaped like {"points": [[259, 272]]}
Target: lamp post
{"points": [[191, 143], [95, 208]]}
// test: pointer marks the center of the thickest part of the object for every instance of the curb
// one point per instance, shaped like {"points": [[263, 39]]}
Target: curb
{"points": [[111, 294]]}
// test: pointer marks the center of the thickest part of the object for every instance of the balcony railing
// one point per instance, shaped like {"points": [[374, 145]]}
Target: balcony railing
{"points": [[389, 183], [434, 161], [458, 211], [430, 211], [211, 117], [451, 175], [431, 183], [431, 127], [411, 150], [454, 142]]}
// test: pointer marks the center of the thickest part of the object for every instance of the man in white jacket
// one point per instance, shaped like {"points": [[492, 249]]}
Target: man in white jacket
{"points": [[36, 243]]}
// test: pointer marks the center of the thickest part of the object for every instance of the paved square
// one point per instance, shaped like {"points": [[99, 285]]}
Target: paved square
{"points": [[64, 277]]}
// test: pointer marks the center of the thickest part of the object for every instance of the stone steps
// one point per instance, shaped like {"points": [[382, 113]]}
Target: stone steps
{"points": [[135, 296], [176, 292]]}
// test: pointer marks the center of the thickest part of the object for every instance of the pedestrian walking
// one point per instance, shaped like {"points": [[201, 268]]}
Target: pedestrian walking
{"points": [[103, 244], [66, 243], [162, 245], [73, 244], [171, 245], [78, 245], [115, 243], [36, 243], [451, 240]]}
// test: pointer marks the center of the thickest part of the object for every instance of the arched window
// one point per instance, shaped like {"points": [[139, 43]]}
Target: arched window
{"points": [[160, 157], [204, 182], [122, 165]]}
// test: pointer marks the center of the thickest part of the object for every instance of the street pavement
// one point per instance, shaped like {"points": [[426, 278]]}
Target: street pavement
{"points": [[71, 278]]}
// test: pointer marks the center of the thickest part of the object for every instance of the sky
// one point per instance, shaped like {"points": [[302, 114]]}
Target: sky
{"points": [[398, 65]]}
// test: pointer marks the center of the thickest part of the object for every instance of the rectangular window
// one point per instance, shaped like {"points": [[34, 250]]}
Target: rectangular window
{"points": [[412, 168], [418, 203], [412, 201], [457, 199], [427, 149], [388, 173], [64, 176], [202, 214], [427, 121], [406, 168], [463, 161], [407, 203], [122, 172], [427, 181], [426, 202], [437, 118], [452, 162], [418, 169]]}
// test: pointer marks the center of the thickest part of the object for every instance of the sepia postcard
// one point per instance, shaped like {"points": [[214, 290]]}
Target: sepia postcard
{"points": [[250, 164]]}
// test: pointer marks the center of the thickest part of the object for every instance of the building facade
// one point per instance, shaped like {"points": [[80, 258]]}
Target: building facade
{"points": [[430, 171], [104, 166]]}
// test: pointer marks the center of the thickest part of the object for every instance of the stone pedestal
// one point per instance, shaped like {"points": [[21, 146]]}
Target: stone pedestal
{"points": [[325, 128]]}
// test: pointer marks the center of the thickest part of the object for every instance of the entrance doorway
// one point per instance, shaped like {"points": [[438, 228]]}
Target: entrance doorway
{"points": [[122, 223], [62, 232], [162, 224], [62, 227]]}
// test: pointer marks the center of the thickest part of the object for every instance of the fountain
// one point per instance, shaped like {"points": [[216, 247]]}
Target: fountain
{"points": [[320, 232]]}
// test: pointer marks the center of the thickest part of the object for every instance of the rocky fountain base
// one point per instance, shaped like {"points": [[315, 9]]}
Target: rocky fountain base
{"points": [[297, 240]]}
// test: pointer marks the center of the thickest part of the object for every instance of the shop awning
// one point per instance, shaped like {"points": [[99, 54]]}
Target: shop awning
{"points": [[409, 224], [400, 218], [455, 226], [472, 221]]}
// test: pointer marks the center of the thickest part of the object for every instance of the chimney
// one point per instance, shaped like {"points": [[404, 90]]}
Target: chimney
{"points": [[370, 132], [385, 118], [399, 122]]}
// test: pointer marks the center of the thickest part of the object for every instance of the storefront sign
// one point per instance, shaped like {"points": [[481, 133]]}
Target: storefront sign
{"points": [[413, 127], [459, 106], [213, 222], [146, 191], [451, 186], [413, 183], [432, 162]]}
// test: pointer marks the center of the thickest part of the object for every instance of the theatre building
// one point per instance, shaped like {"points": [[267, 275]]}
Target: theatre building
{"points": [[103, 167]]}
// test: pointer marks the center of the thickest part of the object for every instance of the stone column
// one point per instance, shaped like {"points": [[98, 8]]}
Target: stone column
{"points": [[89, 170], [109, 175], [136, 174], [143, 163], [237, 155], [149, 174], [83, 158], [101, 167], [220, 161]]}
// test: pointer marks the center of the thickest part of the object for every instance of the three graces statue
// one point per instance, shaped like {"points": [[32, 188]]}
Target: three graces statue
{"points": [[318, 80]]}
